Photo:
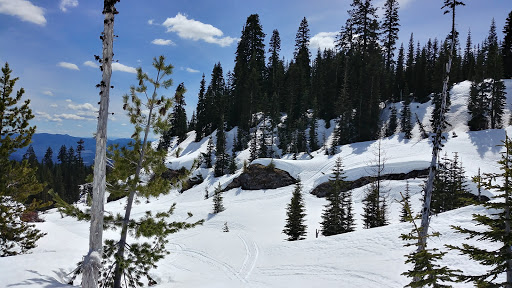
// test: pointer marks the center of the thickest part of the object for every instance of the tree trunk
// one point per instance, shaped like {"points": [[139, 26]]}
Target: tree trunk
{"points": [[425, 214], [124, 231], [92, 261]]}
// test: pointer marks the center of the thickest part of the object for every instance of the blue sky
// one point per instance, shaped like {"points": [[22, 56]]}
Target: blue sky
{"points": [[50, 45]]}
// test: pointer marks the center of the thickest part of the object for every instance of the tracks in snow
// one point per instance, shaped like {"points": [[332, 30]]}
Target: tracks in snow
{"points": [[242, 274]]}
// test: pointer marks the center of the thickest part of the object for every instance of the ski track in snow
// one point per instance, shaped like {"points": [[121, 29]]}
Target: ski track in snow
{"points": [[251, 258]]}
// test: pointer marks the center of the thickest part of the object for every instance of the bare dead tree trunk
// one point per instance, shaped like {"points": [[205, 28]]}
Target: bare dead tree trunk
{"points": [[437, 138], [92, 261]]}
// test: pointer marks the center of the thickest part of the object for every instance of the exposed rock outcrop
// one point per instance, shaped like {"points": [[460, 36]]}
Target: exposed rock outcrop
{"points": [[322, 189], [258, 177]]}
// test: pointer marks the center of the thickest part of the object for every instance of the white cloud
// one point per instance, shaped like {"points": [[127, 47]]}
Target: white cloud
{"points": [[323, 40], [24, 10], [195, 30], [123, 68], [190, 70], [91, 64], [163, 42], [47, 117], [70, 116], [65, 4], [85, 106], [68, 65], [48, 93], [151, 21], [69, 100], [54, 105]]}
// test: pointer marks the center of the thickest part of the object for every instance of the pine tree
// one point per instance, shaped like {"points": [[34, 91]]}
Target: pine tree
{"points": [[494, 70], [208, 156], [178, 126], [506, 47], [478, 103], [405, 120], [390, 24], [131, 161], [295, 228], [375, 206], [406, 212], [17, 180], [497, 223], [392, 124], [337, 216], [399, 76], [450, 191], [248, 74], [221, 156], [218, 205], [468, 60], [201, 111]]}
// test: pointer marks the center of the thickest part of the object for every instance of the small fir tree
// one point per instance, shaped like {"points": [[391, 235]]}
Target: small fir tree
{"points": [[218, 205], [498, 228], [295, 228], [406, 212], [392, 124]]}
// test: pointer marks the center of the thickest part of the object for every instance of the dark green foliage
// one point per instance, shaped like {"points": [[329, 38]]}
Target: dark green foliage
{"points": [[248, 74], [225, 228], [16, 236], [425, 272], [207, 157], [506, 47], [405, 120], [494, 70], [218, 205], [337, 216], [14, 125], [497, 223], [140, 257], [18, 182], [295, 228], [201, 112], [375, 205], [392, 124], [178, 126], [450, 190], [406, 213], [221, 155]]}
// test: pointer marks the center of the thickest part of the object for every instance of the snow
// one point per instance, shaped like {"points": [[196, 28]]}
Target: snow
{"points": [[254, 252]]}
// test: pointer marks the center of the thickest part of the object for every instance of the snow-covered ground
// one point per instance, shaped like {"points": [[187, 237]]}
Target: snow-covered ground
{"points": [[254, 252]]}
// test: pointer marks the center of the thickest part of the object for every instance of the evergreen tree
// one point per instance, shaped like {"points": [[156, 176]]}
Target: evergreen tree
{"points": [[392, 124], [497, 223], [494, 70], [248, 74], [48, 158], [337, 216], [390, 24], [17, 180], [207, 157], [468, 60], [295, 228], [506, 47], [218, 205], [178, 126], [201, 111], [405, 120], [399, 76], [375, 206], [406, 212], [14, 125], [221, 156], [129, 161], [478, 103], [450, 191]]}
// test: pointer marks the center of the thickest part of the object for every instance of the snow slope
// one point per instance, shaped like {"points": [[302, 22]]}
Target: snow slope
{"points": [[254, 252]]}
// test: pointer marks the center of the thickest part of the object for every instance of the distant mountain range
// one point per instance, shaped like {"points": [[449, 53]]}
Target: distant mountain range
{"points": [[41, 142]]}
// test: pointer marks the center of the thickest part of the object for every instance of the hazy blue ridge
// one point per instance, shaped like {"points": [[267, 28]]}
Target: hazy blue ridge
{"points": [[41, 142]]}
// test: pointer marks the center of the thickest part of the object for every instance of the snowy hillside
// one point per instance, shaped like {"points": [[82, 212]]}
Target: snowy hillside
{"points": [[254, 252]]}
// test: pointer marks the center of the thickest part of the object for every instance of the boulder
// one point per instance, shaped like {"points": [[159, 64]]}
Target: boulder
{"points": [[321, 190], [258, 177]]}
